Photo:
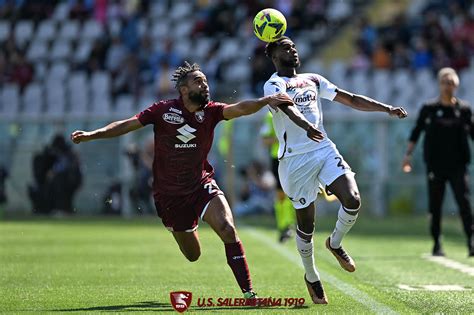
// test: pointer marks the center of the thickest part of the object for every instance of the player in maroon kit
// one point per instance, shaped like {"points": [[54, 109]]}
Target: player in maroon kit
{"points": [[183, 187]]}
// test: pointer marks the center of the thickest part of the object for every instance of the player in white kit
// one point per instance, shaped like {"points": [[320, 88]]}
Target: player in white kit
{"points": [[309, 159]]}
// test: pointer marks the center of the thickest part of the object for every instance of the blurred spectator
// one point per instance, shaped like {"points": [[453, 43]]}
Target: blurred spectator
{"points": [[22, 71], [142, 163], [262, 69], [421, 57], [401, 56], [97, 56], [3, 190], [116, 55], [127, 80], [258, 191], [367, 36], [57, 177], [359, 60], [164, 87], [381, 57], [167, 54]]}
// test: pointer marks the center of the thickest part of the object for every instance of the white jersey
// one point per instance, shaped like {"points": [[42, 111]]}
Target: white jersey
{"points": [[306, 90]]}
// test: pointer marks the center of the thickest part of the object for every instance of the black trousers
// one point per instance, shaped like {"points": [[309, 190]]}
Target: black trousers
{"points": [[459, 181]]}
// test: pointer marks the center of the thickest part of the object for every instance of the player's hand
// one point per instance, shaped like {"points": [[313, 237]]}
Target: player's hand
{"points": [[406, 164], [314, 133], [400, 112], [79, 136], [279, 99]]}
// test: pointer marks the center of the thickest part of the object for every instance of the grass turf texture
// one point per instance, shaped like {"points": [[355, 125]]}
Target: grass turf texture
{"points": [[113, 265]]}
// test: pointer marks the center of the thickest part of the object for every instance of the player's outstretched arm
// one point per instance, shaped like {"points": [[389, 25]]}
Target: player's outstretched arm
{"points": [[249, 107], [295, 115], [364, 103], [115, 129]]}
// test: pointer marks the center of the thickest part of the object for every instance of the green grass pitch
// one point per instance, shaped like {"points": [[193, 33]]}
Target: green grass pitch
{"points": [[81, 265]]}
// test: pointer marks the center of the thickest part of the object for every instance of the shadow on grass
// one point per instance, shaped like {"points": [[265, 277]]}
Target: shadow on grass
{"points": [[150, 306], [140, 306]]}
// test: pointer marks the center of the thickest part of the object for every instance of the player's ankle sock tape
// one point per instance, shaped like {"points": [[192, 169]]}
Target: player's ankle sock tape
{"points": [[308, 237]]}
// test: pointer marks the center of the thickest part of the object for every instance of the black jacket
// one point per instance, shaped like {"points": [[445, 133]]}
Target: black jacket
{"points": [[447, 131]]}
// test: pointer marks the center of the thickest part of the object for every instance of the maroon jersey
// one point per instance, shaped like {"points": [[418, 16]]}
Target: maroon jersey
{"points": [[182, 143]]}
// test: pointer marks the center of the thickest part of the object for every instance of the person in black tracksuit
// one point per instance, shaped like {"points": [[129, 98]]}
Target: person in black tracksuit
{"points": [[447, 124]]}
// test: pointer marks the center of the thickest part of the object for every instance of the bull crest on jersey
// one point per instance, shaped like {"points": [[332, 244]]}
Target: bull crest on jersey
{"points": [[199, 116]]}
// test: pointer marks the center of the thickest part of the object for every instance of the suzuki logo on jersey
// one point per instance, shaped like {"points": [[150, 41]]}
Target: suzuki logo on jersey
{"points": [[186, 133], [305, 97], [173, 118]]}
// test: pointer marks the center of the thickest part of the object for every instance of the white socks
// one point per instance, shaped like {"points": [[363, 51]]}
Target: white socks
{"points": [[305, 248], [344, 223]]}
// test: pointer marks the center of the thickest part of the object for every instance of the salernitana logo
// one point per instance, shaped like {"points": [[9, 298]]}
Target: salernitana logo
{"points": [[181, 300]]}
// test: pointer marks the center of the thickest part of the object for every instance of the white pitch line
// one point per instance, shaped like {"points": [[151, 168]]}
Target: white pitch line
{"points": [[451, 264], [359, 296]]}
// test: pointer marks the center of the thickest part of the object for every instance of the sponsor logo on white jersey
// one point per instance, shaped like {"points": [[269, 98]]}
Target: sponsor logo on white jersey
{"points": [[305, 97], [186, 133], [173, 118]]}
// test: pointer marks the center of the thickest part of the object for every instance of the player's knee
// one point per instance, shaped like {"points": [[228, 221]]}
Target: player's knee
{"points": [[352, 201], [193, 256], [306, 227], [227, 232]]}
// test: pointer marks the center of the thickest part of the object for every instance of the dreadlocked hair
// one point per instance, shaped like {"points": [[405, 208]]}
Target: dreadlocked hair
{"points": [[182, 72], [271, 46]]}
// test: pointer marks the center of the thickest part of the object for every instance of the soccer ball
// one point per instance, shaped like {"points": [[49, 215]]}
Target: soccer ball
{"points": [[269, 25]]}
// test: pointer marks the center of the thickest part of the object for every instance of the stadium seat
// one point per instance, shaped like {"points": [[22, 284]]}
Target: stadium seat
{"points": [[61, 50], [61, 11], [37, 51], [157, 9], [100, 83], [159, 29], [23, 31], [230, 48], [202, 46], [101, 107], [337, 72], [125, 106], [46, 30], [180, 11], [55, 99], [91, 30], [59, 70], [183, 28], [41, 70], [10, 100], [4, 30], [82, 52], [32, 101], [69, 30]]}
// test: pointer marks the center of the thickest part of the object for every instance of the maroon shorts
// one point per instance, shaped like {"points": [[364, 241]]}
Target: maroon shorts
{"points": [[182, 213]]}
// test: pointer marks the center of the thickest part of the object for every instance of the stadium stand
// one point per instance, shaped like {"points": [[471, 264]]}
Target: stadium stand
{"points": [[95, 63]]}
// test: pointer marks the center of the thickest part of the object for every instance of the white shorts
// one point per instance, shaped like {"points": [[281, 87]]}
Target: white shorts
{"points": [[301, 175]]}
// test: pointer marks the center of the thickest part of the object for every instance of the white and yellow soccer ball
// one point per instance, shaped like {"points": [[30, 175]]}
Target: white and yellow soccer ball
{"points": [[269, 25]]}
